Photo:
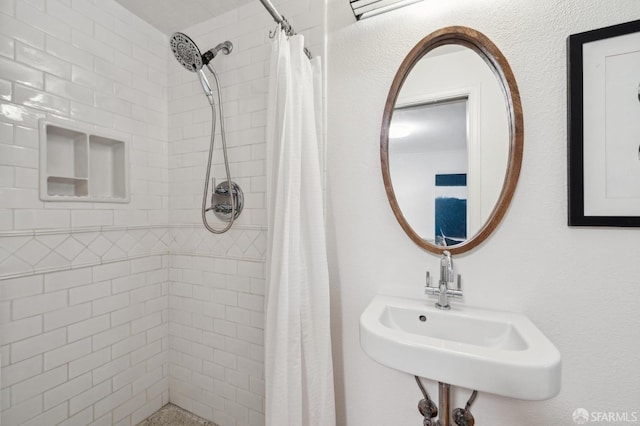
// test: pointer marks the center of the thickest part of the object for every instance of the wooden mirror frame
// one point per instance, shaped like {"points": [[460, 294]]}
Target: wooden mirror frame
{"points": [[480, 44]]}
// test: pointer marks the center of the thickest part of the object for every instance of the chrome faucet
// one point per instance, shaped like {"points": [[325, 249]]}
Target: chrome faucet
{"points": [[443, 291]]}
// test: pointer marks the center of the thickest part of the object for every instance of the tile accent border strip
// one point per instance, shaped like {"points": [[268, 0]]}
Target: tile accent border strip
{"points": [[24, 253]]}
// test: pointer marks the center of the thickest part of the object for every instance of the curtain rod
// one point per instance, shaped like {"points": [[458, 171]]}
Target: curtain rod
{"points": [[288, 29]]}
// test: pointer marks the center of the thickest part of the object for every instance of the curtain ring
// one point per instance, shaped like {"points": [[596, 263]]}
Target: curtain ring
{"points": [[272, 34]]}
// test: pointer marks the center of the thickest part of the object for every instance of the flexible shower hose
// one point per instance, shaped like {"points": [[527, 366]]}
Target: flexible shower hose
{"points": [[210, 160]]}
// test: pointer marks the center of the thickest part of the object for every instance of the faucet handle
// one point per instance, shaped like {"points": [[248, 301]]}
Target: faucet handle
{"points": [[458, 291], [427, 286]]}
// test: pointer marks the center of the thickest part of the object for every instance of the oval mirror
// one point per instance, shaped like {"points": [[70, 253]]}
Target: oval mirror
{"points": [[451, 140]]}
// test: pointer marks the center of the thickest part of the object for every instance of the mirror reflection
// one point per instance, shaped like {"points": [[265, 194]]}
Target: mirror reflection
{"points": [[451, 141], [449, 145]]}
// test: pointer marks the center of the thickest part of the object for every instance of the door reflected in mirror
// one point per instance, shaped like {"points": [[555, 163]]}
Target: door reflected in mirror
{"points": [[451, 140], [428, 162]]}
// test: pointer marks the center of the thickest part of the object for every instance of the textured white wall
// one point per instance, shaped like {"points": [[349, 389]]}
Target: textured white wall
{"points": [[579, 285]]}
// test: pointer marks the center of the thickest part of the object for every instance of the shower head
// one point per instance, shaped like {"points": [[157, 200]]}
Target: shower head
{"points": [[188, 54]]}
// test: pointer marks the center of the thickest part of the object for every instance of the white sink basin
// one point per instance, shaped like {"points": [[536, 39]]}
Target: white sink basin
{"points": [[491, 351]]}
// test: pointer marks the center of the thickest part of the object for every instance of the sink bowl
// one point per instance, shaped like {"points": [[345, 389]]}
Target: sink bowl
{"points": [[480, 349]]}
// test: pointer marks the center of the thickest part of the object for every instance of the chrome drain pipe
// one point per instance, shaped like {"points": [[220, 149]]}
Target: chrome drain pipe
{"points": [[444, 402]]}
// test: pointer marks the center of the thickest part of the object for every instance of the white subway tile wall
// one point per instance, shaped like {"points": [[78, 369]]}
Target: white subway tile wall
{"points": [[108, 311], [92, 64], [84, 290], [75, 341]]}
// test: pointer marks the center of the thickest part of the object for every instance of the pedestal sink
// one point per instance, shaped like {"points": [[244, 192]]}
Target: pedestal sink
{"points": [[498, 352]]}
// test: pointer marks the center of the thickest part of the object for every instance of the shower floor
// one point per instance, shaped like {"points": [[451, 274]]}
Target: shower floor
{"points": [[170, 415]]}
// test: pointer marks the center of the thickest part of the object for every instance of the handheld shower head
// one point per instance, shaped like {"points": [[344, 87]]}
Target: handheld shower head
{"points": [[206, 86], [188, 55], [186, 52]]}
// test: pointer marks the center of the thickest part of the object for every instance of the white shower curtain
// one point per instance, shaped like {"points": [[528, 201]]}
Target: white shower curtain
{"points": [[298, 364]]}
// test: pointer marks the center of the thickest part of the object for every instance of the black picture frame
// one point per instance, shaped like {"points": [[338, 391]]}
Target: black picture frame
{"points": [[577, 183]]}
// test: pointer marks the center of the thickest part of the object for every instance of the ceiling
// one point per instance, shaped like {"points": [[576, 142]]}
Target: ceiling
{"points": [[172, 15]]}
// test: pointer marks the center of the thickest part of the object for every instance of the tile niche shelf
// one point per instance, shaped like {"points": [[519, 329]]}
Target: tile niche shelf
{"points": [[78, 165]]}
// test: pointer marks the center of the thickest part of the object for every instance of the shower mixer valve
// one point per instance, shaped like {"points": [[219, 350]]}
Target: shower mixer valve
{"points": [[225, 201]]}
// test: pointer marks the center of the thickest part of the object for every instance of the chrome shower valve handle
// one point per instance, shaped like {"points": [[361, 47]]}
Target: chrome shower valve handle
{"points": [[227, 204]]}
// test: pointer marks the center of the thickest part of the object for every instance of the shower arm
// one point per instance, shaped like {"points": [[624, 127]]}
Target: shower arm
{"points": [[286, 26]]}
